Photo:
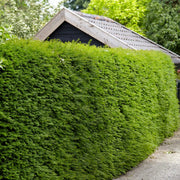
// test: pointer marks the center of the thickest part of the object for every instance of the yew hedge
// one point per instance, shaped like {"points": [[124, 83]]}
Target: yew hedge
{"points": [[71, 111]]}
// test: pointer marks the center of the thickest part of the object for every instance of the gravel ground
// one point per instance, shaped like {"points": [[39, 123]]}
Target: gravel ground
{"points": [[163, 164]]}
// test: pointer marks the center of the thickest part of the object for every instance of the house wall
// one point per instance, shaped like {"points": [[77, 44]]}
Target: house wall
{"points": [[66, 32]]}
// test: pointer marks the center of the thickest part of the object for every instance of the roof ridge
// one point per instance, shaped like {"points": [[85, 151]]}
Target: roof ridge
{"points": [[94, 16]]}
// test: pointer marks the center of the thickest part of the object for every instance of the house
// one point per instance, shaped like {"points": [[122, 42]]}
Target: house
{"points": [[70, 25]]}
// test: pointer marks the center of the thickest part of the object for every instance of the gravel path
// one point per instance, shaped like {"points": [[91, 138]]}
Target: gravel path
{"points": [[164, 164]]}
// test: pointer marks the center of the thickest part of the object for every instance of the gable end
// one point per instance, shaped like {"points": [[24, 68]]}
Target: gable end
{"points": [[67, 32]]}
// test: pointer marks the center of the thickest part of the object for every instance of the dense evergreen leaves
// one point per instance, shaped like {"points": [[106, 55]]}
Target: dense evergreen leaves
{"points": [[162, 23], [71, 111]]}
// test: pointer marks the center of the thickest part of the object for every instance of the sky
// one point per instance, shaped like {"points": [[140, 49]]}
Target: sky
{"points": [[54, 2]]}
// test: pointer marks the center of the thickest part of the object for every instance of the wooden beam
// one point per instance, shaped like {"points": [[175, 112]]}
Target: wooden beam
{"points": [[94, 31], [51, 26]]}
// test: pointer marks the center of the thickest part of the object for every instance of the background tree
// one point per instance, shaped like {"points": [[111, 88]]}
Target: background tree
{"points": [[76, 4], [128, 12], [162, 23], [6, 33], [25, 17]]}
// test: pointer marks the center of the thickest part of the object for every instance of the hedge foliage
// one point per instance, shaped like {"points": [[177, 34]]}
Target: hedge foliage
{"points": [[71, 111]]}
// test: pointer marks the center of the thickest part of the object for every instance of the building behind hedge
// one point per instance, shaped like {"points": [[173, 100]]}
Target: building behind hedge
{"points": [[70, 25]]}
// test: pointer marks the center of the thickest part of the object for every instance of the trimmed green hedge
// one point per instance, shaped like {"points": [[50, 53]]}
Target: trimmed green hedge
{"points": [[71, 111]]}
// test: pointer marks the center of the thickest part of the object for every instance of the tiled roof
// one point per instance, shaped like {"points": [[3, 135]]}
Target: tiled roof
{"points": [[126, 35]]}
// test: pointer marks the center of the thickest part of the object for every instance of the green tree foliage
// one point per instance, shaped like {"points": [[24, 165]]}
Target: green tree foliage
{"points": [[25, 17], [71, 111], [76, 4], [6, 33], [126, 12], [5, 29], [162, 23]]}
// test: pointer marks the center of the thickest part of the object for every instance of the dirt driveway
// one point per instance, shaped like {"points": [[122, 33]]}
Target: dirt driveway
{"points": [[164, 164]]}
